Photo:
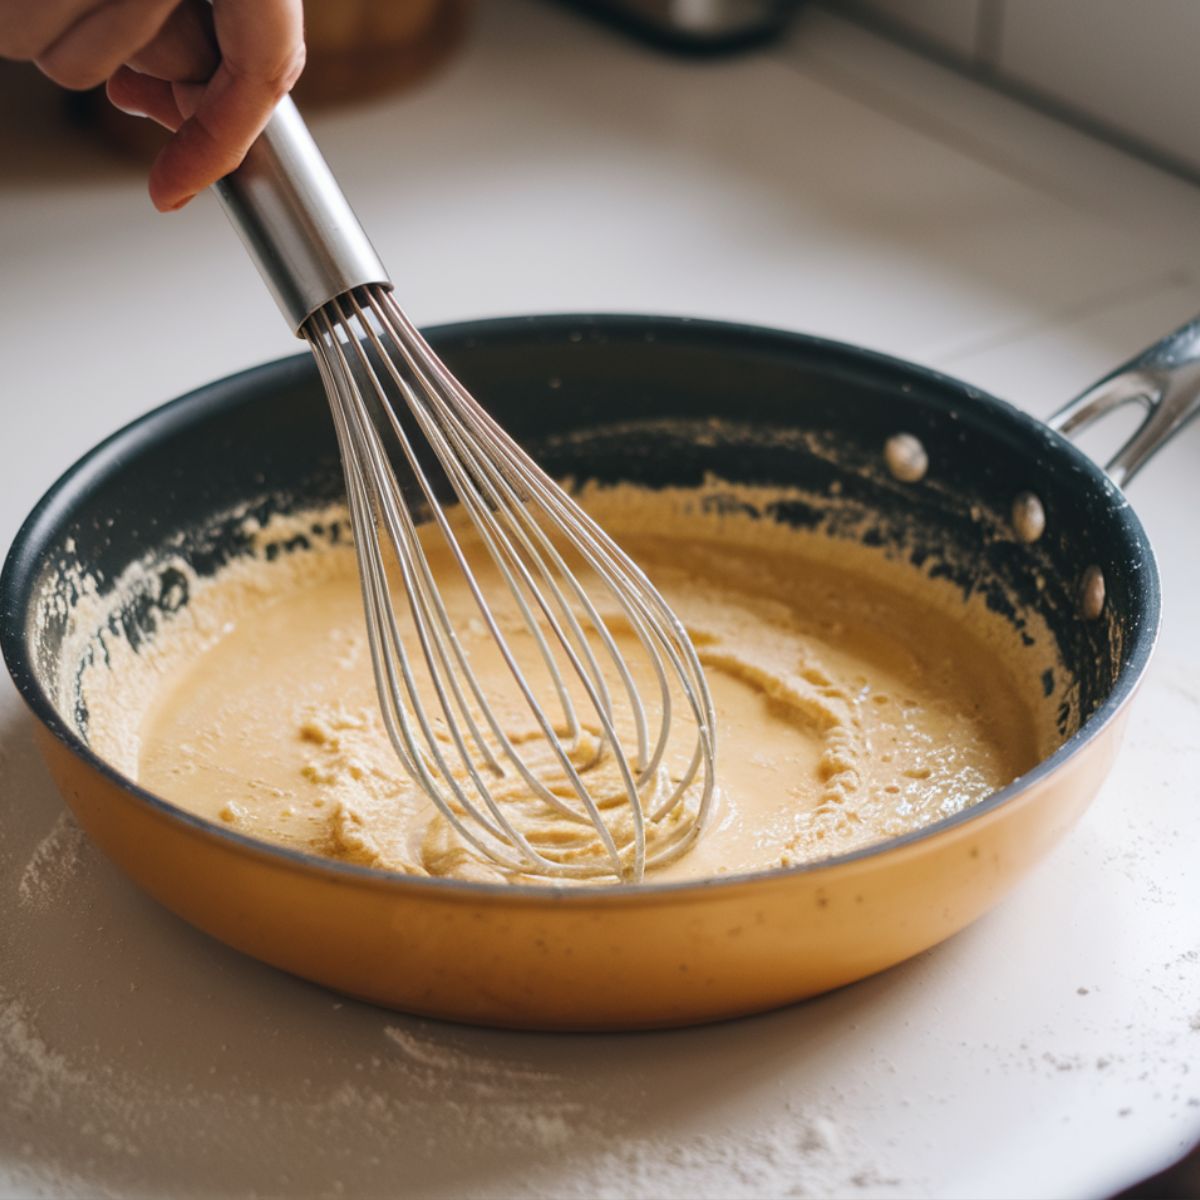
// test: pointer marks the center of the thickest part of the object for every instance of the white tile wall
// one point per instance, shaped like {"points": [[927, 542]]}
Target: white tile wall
{"points": [[1132, 67]]}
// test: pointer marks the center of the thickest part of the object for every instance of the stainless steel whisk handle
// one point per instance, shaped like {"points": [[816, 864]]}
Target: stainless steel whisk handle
{"points": [[295, 221]]}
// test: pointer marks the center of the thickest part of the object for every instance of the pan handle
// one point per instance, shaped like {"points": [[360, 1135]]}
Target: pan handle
{"points": [[1164, 379]]}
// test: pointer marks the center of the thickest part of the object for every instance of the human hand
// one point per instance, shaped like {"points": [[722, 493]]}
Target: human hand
{"points": [[210, 73]]}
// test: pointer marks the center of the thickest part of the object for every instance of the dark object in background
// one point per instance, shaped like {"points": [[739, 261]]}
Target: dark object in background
{"points": [[696, 26], [1180, 1182]]}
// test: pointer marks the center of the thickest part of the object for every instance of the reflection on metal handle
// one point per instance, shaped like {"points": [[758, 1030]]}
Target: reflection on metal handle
{"points": [[296, 223], [1164, 379]]}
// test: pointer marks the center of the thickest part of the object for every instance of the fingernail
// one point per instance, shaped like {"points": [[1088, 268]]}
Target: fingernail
{"points": [[180, 203]]}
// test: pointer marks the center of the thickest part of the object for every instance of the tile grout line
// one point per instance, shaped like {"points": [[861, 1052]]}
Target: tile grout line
{"points": [[983, 67], [898, 105]]}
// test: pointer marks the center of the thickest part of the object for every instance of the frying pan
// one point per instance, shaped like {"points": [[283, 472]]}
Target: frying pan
{"points": [[610, 399]]}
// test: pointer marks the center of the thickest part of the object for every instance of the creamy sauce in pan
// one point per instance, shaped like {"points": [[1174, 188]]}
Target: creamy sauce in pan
{"points": [[853, 702]]}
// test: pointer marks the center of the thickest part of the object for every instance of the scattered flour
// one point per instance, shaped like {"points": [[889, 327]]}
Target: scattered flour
{"points": [[32, 1072], [433, 1052], [799, 1156], [455, 1098], [581, 1150], [55, 860]]}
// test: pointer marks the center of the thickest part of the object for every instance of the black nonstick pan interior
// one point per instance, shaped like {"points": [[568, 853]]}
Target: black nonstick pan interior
{"points": [[654, 401]]}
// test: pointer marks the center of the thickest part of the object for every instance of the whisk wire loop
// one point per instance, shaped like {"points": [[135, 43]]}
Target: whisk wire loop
{"points": [[518, 507], [409, 535], [365, 448], [505, 557], [446, 728], [389, 656]]}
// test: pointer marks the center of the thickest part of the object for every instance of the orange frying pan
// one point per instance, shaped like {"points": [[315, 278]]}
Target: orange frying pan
{"points": [[631, 392]]}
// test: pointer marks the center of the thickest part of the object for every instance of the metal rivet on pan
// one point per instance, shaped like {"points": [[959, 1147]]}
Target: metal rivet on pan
{"points": [[906, 457], [1091, 593], [1028, 517]]}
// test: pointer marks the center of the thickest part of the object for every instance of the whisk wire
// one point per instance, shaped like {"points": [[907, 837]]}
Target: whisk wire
{"points": [[494, 476], [510, 508], [405, 542], [371, 357], [388, 651], [467, 496]]}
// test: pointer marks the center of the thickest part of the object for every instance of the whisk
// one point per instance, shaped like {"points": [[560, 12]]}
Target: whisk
{"points": [[618, 734]]}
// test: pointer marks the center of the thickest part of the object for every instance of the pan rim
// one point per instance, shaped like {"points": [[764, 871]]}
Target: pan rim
{"points": [[19, 570]]}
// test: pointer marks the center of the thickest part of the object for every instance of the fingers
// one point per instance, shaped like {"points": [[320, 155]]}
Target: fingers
{"points": [[160, 58], [182, 53], [99, 40], [144, 96], [28, 29], [262, 55], [185, 49]]}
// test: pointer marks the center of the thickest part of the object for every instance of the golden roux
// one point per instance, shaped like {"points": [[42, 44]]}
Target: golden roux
{"points": [[850, 707]]}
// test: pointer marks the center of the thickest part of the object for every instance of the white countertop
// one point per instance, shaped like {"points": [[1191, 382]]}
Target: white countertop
{"points": [[834, 184]]}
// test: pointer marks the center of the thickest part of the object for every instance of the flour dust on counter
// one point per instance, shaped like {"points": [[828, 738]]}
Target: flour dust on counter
{"points": [[375, 1095], [54, 862]]}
